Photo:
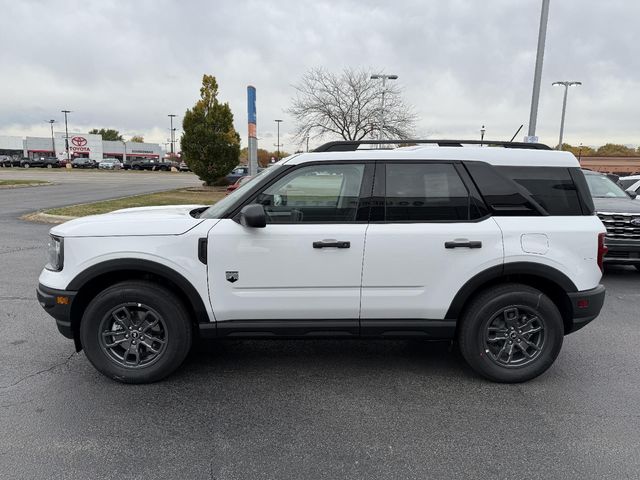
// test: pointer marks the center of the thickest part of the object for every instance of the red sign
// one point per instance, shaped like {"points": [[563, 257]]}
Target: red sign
{"points": [[79, 141]]}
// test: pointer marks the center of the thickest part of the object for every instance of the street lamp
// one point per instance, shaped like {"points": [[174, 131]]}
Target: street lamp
{"points": [[66, 133], [171, 115], [537, 74], [482, 130], [384, 79], [278, 122], [566, 86], [53, 144]]}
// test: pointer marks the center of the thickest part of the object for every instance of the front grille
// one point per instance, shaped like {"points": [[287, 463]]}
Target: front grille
{"points": [[619, 225]]}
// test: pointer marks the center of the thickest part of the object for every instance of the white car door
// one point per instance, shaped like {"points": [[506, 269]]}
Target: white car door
{"points": [[424, 244], [306, 264]]}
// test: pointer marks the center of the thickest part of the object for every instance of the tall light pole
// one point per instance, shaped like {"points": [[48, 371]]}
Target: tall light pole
{"points": [[278, 122], [171, 115], [537, 76], [566, 86], [384, 79], [53, 143], [66, 133]]}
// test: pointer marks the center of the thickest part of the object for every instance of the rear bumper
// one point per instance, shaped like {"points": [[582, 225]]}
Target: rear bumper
{"points": [[586, 306], [57, 303]]}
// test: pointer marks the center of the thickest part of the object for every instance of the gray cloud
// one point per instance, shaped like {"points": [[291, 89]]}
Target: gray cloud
{"points": [[462, 63]]}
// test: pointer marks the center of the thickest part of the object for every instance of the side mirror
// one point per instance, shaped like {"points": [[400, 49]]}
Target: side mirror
{"points": [[253, 216], [632, 194]]}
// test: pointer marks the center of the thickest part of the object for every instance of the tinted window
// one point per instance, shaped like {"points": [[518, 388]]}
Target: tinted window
{"points": [[626, 183], [314, 194], [425, 192], [551, 187]]}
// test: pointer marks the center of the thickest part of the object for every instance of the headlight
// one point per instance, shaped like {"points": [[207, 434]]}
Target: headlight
{"points": [[55, 252]]}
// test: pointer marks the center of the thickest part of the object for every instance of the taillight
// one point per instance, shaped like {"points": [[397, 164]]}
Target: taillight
{"points": [[602, 250]]}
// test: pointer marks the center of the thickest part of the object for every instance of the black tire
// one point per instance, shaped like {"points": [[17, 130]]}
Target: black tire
{"points": [[504, 309], [170, 338]]}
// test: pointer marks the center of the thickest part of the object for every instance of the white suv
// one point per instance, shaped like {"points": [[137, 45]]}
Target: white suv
{"points": [[496, 247]]}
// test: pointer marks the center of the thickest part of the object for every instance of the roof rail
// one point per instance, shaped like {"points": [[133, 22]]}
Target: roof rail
{"points": [[352, 145]]}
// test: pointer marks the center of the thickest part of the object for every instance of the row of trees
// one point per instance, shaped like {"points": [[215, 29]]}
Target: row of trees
{"points": [[350, 106], [114, 135], [607, 150]]}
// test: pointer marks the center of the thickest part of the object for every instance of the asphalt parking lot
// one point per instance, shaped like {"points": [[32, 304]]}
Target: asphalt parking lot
{"points": [[300, 409]]}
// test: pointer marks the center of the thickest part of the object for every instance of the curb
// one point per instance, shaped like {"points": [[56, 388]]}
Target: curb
{"points": [[25, 185], [42, 217]]}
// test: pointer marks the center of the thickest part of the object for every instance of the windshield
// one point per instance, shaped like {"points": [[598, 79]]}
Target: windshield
{"points": [[602, 187], [218, 209]]}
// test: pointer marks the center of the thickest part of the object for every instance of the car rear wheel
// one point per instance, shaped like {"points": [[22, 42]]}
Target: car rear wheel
{"points": [[136, 332], [49, 165], [511, 333], [26, 165]]}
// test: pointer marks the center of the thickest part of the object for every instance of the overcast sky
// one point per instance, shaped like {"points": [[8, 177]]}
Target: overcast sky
{"points": [[461, 63]]}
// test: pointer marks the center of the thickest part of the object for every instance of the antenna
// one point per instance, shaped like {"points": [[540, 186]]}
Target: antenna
{"points": [[517, 132]]}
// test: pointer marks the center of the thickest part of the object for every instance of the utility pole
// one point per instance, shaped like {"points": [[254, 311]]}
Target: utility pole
{"points": [[537, 76], [278, 122], [566, 86], [171, 115], [53, 143], [384, 79], [66, 134]]}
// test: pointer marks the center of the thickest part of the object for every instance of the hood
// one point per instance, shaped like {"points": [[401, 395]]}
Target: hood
{"points": [[617, 205], [140, 221]]}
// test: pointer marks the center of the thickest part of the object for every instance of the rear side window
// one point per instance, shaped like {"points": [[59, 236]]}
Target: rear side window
{"points": [[551, 187], [516, 191], [423, 192]]}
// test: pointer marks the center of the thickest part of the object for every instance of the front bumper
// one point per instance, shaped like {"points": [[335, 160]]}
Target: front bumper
{"points": [[622, 251], [57, 303], [586, 306]]}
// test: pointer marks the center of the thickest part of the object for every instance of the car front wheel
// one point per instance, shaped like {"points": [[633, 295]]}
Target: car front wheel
{"points": [[136, 332], [511, 333]]}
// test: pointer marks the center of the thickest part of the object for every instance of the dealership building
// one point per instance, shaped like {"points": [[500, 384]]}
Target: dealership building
{"points": [[80, 145]]}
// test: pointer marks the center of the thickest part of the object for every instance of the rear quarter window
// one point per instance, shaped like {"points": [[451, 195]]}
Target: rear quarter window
{"points": [[551, 187]]}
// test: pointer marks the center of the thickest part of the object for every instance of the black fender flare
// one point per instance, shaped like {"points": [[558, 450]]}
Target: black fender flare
{"points": [[144, 266], [531, 269]]}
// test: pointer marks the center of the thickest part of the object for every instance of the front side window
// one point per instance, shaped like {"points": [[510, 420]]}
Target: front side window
{"points": [[425, 192], [314, 194]]}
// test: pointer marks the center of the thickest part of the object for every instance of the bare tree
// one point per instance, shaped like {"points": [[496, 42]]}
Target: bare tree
{"points": [[348, 105]]}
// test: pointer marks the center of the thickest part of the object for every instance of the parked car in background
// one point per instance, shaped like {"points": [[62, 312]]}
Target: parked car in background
{"points": [[149, 164], [620, 214], [110, 164], [241, 181], [237, 173], [9, 161], [183, 167], [43, 162], [630, 183], [81, 162]]}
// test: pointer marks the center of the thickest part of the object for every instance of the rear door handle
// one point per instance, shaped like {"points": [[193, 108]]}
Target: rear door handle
{"points": [[331, 244], [465, 244]]}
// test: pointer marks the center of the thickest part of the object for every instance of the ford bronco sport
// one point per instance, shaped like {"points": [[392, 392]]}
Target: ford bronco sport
{"points": [[496, 247]]}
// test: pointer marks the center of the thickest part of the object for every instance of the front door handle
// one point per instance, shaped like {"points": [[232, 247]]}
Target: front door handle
{"points": [[463, 244], [331, 244]]}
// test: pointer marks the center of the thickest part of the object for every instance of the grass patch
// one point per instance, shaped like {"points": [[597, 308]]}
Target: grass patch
{"points": [[9, 183], [183, 196]]}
